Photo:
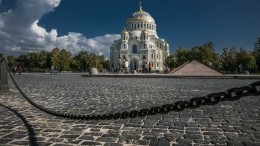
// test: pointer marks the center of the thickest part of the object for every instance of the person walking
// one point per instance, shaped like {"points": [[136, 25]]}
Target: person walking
{"points": [[126, 66], [150, 67], [19, 70], [14, 70]]}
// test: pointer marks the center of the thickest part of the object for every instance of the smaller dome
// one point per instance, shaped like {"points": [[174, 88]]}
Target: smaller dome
{"points": [[125, 32], [144, 31]]}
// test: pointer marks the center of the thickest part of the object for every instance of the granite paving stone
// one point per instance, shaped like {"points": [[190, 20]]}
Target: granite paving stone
{"points": [[226, 123]]}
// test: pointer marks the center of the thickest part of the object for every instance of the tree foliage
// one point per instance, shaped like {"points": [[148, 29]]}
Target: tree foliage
{"points": [[204, 54], [256, 54], [246, 59], [61, 58], [229, 60]]}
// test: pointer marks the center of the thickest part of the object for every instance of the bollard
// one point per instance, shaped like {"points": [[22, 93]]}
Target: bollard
{"points": [[93, 71], [4, 88]]}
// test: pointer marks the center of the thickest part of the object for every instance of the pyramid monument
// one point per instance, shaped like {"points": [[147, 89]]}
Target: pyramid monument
{"points": [[195, 68]]}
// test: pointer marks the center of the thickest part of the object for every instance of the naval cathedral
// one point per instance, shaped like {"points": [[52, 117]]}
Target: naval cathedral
{"points": [[139, 47]]}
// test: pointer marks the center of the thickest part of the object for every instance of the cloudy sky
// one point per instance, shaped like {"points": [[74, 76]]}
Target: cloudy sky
{"points": [[76, 25]]}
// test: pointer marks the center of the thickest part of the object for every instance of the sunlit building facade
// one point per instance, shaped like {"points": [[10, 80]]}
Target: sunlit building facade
{"points": [[139, 44]]}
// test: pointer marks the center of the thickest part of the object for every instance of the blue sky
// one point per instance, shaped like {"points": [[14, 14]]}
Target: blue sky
{"points": [[93, 25]]}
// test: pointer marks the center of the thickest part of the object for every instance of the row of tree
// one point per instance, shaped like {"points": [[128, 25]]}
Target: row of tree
{"points": [[230, 60], [60, 58]]}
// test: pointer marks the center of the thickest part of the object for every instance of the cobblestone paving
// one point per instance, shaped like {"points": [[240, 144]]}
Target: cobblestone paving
{"points": [[228, 123]]}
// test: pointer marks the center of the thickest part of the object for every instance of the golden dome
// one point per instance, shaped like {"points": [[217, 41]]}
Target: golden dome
{"points": [[141, 16], [144, 31], [125, 32]]}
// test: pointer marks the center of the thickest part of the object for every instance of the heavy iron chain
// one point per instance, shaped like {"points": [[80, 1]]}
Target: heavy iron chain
{"points": [[211, 99]]}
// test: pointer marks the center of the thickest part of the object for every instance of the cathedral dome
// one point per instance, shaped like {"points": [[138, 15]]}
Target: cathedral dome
{"points": [[141, 16], [141, 20]]}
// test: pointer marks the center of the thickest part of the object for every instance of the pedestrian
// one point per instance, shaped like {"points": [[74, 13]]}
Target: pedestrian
{"points": [[126, 66], [52, 69], [14, 70], [145, 68], [119, 65], [19, 69], [150, 67], [55, 70]]}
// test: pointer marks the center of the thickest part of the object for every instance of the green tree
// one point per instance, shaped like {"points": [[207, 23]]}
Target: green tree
{"points": [[257, 44], [256, 54], [205, 54], [92, 60], [246, 59], [23, 60], [32, 61], [11, 62], [80, 61], [55, 56], [228, 59], [183, 56], [171, 62], [64, 60], [105, 64], [42, 60]]}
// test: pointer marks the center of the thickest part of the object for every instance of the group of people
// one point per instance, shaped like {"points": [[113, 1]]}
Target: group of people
{"points": [[147, 68], [54, 70], [18, 69], [123, 67]]}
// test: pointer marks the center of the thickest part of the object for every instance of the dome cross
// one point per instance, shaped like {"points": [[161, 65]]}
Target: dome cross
{"points": [[140, 8]]}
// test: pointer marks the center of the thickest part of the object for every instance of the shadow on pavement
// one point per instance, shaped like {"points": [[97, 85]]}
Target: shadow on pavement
{"points": [[30, 130]]}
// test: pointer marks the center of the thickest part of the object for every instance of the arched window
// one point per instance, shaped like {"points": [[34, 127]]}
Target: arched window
{"points": [[134, 49]]}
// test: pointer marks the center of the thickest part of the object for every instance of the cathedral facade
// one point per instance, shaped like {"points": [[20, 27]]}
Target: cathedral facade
{"points": [[139, 45]]}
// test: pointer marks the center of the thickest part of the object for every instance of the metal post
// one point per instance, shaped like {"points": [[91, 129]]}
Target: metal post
{"points": [[3, 77]]}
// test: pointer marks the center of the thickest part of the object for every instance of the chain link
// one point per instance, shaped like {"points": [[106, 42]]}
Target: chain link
{"points": [[211, 99]]}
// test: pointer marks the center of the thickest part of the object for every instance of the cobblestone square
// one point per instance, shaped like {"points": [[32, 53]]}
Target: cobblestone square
{"points": [[227, 123]]}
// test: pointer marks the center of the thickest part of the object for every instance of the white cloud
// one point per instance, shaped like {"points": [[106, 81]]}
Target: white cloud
{"points": [[20, 31]]}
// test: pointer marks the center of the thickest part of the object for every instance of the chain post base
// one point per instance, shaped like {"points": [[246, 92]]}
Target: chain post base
{"points": [[4, 87]]}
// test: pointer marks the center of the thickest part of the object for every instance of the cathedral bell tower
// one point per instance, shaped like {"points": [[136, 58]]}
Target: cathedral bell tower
{"points": [[144, 39], [124, 40]]}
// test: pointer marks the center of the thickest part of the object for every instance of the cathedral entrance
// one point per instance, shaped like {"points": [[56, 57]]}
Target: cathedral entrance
{"points": [[134, 65]]}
